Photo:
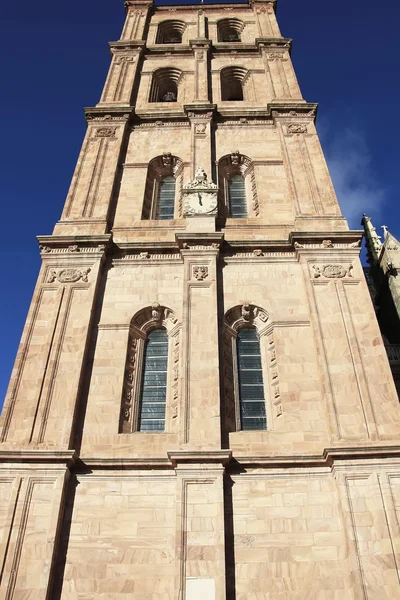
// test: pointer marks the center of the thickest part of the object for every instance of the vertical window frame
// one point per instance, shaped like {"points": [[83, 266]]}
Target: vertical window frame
{"points": [[144, 364], [239, 400]]}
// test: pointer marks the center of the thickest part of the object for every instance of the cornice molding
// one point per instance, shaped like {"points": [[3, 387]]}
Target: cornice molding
{"points": [[48, 457], [108, 114]]}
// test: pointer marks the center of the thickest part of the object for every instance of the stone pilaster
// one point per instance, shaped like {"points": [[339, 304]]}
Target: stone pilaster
{"points": [[45, 383], [201, 394], [118, 87], [200, 524]]}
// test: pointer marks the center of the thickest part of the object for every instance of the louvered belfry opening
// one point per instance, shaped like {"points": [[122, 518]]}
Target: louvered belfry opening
{"points": [[170, 32], [232, 82], [237, 197], [229, 30], [164, 85], [165, 198], [154, 382], [251, 385]]}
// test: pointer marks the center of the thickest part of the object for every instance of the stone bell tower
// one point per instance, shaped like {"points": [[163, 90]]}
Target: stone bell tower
{"points": [[201, 404]]}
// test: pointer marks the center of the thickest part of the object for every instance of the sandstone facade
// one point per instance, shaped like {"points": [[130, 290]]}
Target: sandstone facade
{"points": [[92, 508]]}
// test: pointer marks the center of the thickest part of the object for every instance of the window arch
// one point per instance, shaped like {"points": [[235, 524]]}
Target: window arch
{"points": [[165, 85], [170, 32], [237, 186], [233, 84], [244, 379], [230, 30], [151, 383], [161, 189]]}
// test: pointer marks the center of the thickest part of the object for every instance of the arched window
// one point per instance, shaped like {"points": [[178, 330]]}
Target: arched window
{"points": [[164, 85], [229, 30], [237, 187], [246, 401], [154, 382], [233, 81], [250, 381], [237, 196], [150, 395], [160, 196], [170, 32]]}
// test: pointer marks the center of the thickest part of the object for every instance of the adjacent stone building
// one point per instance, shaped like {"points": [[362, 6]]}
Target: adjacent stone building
{"points": [[383, 281], [201, 404]]}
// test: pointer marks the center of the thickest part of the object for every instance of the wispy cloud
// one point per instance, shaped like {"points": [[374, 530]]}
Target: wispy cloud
{"points": [[350, 164]]}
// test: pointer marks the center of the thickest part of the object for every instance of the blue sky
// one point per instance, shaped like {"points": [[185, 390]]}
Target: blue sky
{"points": [[54, 62]]}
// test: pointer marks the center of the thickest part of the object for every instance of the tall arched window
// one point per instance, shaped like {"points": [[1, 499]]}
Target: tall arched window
{"points": [[165, 198], [154, 382], [160, 196], [170, 32], [151, 388], [237, 196], [250, 381], [237, 186]]}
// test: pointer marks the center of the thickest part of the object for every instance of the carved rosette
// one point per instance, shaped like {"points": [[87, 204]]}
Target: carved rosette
{"points": [[332, 271], [200, 272], [68, 275]]}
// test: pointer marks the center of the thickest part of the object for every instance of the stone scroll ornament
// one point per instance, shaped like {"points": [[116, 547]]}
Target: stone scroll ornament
{"points": [[332, 271], [68, 275]]}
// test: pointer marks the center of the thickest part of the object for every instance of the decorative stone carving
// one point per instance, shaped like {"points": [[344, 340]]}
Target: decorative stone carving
{"points": [[235, 158], [332, 271], [200, 273], [327, 244], [73, 248], [155, 312], [144, 255], [258, 252], [125, 59], [317, 271], [200, 128], [167, 159], [45, 249], [246, 312], [68, 275], [293, 128], [105, 132]]}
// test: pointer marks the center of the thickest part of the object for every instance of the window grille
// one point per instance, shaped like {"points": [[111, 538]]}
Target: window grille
{"points": [[251, 387], [154, 382], [237, 197], [165, 199]]}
